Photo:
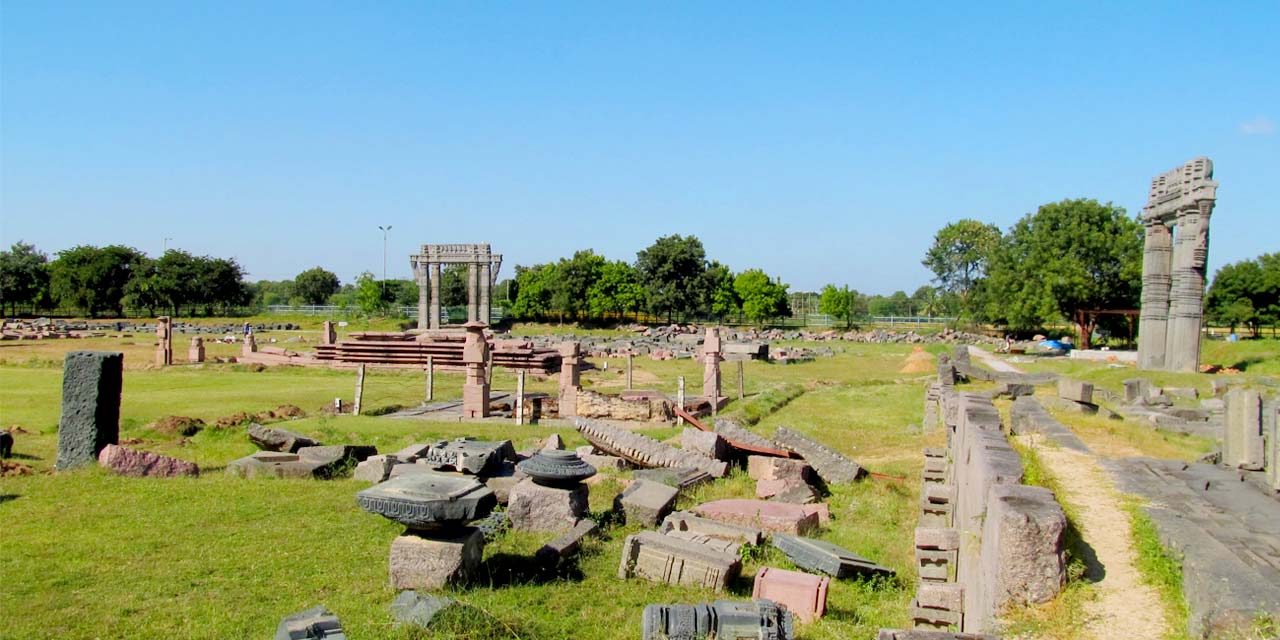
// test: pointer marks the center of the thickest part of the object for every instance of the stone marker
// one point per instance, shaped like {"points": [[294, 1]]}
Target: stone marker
{"points": [[829, 464], [660, 558], [803, 594], [164, 341], [413, 608], [771, 468], [685, 521], [279, 439], [467, 455], [723, 619], [775, 517], [144, 464], [1075, 390], [1136, 390], [707, 443], [449, 556], [604, 463], [567, 544], [317, 623], [554, 442], [428, 500], [91, 385], [535, 507], [643, 450], [195, 352], [822, 556], [646, 502]]}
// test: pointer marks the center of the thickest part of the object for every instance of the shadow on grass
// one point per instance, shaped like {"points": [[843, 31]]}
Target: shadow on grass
{"points": [[7, 497], [509, 569], [23, 456], [1244, 365]]}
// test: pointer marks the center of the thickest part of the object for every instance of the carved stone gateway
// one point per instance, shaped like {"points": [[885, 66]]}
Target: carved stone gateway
{"points": [[1173, 266], [482, 270]]}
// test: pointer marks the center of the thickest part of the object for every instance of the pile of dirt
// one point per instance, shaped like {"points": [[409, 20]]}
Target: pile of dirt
{"points": [[282, 412], [180, 425], [14, 469], [234, 420], [920, 361]]}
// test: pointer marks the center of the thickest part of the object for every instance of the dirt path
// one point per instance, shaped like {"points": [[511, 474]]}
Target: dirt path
{"points": [[1124, 608]]}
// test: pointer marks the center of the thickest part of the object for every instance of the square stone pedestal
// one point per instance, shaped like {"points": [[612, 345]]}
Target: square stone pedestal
{"points": [[534, 507], [426, 560]]}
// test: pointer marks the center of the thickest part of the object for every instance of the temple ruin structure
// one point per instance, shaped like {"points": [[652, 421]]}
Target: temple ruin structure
{"points": [[1173, 266], [482, 272]]}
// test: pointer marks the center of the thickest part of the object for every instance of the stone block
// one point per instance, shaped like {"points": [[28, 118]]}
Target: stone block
{"points": [[375, 469], [1187, 393], [797, 494], [502, 486], [1242, 443], [604, 463], [317, 623], [1271, 426], [1075, 390], [660, 558], [803, 594], [942, 539], [412, 452], [567, 544], [770, 488], [830, 465], [820, 509], [426, 563], [467, 455], [1136, 390], [824, 557], [428, 500], [707, 443], [934, 565], [724, 619], [644, 451], [685, 521], [144, 464], [91, 386], [283, 440], [771, 468], [586, 450], [718, 544], [1022, 559], [680, 478], [941, 596], [748, 442], [413, 608], [646, 503], [774, 517], [534, 507], [1015, 389]]}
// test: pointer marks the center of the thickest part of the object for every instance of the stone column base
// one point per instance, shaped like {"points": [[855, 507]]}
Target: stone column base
{"points": [[533, 507]]}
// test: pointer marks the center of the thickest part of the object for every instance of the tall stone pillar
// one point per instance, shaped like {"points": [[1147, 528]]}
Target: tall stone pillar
{"points": [[1153, 323], [473, 278], [486, 288], [164, 341], [195, 352], [570, 377], [1186, 304], [423, 277], [711, 358], [329, 334], [475, 389], [434, 310]]}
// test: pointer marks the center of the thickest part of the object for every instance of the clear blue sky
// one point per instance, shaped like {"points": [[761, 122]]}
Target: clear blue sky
{"points": [[822, 143]]}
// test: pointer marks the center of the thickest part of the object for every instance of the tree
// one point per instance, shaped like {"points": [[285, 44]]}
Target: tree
{"points": [[453, 285], [220, 285], [24, 277], [533, 297], [369, 296], [842, 302], [1069, 256], [93, 279], [267, 292], [617, 290], [671, 271], [315, 285], [761, 297], [574, 277], [1246, 293], [960, 255], [718, 283]]}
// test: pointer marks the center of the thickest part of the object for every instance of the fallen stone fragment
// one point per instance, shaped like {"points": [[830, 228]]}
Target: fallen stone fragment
{"points": [[829, 464], [317, 623], [1075, 390], [718, 544], [707, 443], [645, 502], [723, 619], [283, 440], [604, 463], [467, 455], [771, 468], [748, 442], [411, 453], [819, 509], [567, 544], [680, 478], [775, 517], [645, 451], [413, 608], [426, 563], [685, 521], [770, 488], [535, 507], [803, 594], [801, 494], [375, 469], [144, 464], [822, 556], [428, 500], [660, 558]]}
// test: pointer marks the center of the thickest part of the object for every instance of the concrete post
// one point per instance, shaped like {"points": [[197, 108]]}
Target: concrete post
{"points": [[473, 281], [570, 377], [329, 333], [431, 378], [519, 397], [680, 398], [355, 409], [434, 308], [486, 289], [164, 341], [195, 353], [1157, 260], [629, 365], [711, 360]]}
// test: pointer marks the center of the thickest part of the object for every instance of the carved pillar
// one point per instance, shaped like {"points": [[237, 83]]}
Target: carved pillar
{"points": [[711, 361], [250, 345], [486, 288], [473, 278], [423, 277], [434, 310], [475, 390], [570, 378], [1153, 323], [164, 341], [195, 353], [329, 334], [1186, 293]]}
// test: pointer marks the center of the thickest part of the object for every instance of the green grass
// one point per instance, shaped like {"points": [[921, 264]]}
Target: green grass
{"points": [[750, 412], [1160, 568]]}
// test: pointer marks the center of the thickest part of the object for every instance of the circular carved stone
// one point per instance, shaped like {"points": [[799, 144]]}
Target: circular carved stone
{"points": [[428, 500], [556, 468]]}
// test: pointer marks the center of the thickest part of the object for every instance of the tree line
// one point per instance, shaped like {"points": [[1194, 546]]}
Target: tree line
{"points": [[1074, 256]]}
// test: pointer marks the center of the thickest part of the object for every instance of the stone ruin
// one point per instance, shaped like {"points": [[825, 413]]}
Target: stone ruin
{"points": [[475, 389], [482, 272], [91, 385], [164, 341], [1174, 260], [726, 619], [552, 497]]}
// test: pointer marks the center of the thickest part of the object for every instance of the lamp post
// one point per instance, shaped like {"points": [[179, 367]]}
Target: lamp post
{"points": [[166, 244], [384, 258]]}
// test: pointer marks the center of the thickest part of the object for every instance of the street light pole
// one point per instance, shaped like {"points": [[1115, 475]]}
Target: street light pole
{"points": [[384, 258], [166, 244]]}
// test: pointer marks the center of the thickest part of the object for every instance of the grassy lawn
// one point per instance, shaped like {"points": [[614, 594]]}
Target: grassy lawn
{"points": [[88, 554]]}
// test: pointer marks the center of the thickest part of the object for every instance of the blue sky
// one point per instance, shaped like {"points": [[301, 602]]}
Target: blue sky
{"points": [[822, 143]]}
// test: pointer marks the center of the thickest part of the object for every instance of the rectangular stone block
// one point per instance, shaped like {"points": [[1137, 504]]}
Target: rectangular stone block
{"points": [[931, 538], [1075, 390], [830, 465], [771, 468], [646, 503], [660, 558], [718, 544], [425, 563], [824, 557], [934, 565], [1136, 390], [91, 386], [567, 544], [685, 521], [604, 463], [804, 594], [927, 618], [1242, 442], [941, 596], [707, 443], [1271, 423], [1021, 552], [775, 517], [534, 507]]}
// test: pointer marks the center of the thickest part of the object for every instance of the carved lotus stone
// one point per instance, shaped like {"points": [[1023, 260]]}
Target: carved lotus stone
{"points": [[556, 468], [428, 500]]}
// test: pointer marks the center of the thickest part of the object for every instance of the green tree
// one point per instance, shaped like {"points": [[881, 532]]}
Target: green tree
{"points": [[574, 277], [960, 255], [24, 277], [1068, 256], [617, 290], [453, 285], [220, 286], [267, 292], [762, 298], [722, 299], [369, 295], [93, 279], [671, 271], [841, 302], [533, 286], [315, 285], [1246, 293]]}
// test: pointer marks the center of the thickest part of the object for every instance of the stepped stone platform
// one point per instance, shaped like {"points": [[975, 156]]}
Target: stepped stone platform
{"points": [[1226, 527]]}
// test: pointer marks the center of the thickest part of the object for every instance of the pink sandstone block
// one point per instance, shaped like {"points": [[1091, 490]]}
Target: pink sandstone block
{"points": [[144, 464], [804, 594], [774, 517], [770, 488], [771, 468], [821, 510]]}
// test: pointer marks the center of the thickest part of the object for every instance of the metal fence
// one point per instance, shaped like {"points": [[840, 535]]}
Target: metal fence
{"points": [[447, 314]]}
